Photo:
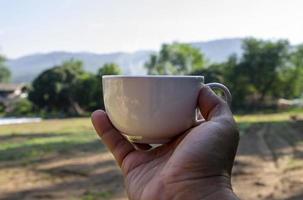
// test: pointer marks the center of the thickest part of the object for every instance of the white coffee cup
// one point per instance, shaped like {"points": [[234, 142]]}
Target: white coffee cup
{"points": [[153, 109]]}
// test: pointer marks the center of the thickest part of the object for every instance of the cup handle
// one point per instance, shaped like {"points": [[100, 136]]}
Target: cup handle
{"points": [[227, 97]]}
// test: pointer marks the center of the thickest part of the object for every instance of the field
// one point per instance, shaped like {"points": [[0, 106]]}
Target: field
{"points": [[63, 159]]}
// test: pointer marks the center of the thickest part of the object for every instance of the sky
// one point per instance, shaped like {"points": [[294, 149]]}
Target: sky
{"points": [[104, 26]]}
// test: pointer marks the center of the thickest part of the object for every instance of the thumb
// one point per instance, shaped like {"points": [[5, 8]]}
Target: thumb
{"points": [[212, 106]]}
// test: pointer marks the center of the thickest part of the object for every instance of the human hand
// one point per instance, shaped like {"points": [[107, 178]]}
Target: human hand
{"points": [[195, 165]]}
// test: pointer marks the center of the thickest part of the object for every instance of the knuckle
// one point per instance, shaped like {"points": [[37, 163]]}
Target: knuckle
{"points": [[230, 126]]}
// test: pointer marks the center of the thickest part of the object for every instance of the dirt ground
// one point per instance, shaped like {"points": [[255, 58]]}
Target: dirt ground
{"points": [[269, 162], [268, 166]]}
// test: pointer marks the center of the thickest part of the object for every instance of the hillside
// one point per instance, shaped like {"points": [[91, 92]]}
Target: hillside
{"points": [[25, 69], [219, 50]]}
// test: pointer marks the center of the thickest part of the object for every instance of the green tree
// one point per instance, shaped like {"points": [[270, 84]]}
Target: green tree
{"points": [[213, 73], [227, 73], [175, 58], [292, 77], [238, 83], [56, 89], [263, 72], [91, 86], [107, 69], [260, 67], [5, 73], [267, 70]]}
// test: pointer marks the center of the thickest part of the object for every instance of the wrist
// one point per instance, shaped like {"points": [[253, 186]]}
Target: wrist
{"points": [[209, 188]]}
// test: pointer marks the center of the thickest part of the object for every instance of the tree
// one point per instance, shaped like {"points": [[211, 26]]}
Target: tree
{"points": [[213, 73], [69, 89], [106, 69], [227, 73], [5, 74], [263, 72], [237, 82], [91, 86], [293, 76], [260, 66], [175, 58], [56, 89], [109, 69]]}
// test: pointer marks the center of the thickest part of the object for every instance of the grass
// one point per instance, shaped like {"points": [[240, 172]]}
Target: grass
{"points": [[24, 142], [35, 140], [293, 164], [271, 117], [55, 126], [245, 121], [97, 195]]}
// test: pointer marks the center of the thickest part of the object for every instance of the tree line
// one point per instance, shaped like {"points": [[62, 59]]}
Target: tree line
{"points": [[266, 71]]}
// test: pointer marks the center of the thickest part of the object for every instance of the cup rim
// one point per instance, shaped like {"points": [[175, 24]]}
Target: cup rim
{"points": [[151, 76]]}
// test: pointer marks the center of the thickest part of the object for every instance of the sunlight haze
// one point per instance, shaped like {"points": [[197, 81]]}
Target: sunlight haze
{"points": [[101, 26]]}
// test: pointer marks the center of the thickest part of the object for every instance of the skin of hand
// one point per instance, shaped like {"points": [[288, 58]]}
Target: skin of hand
{"points": [[195, 165]]}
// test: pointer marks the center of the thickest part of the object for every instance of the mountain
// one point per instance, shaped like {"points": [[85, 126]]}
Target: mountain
{"points": [[25, 69], [220, 50]]}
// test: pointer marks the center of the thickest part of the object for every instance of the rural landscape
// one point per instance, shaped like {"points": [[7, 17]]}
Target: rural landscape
{"points": [[61, 157], [64, 159], [54, 54]]}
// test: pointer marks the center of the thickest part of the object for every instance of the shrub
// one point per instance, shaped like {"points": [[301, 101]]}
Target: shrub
{"points": [[20, 107]]}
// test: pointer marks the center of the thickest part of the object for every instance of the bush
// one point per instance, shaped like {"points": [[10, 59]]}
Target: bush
{"points": [[20, 107], [2, 108]]}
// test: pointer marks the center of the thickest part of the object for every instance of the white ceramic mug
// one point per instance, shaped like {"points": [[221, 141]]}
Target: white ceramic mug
{"points": [[153, 109]]}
